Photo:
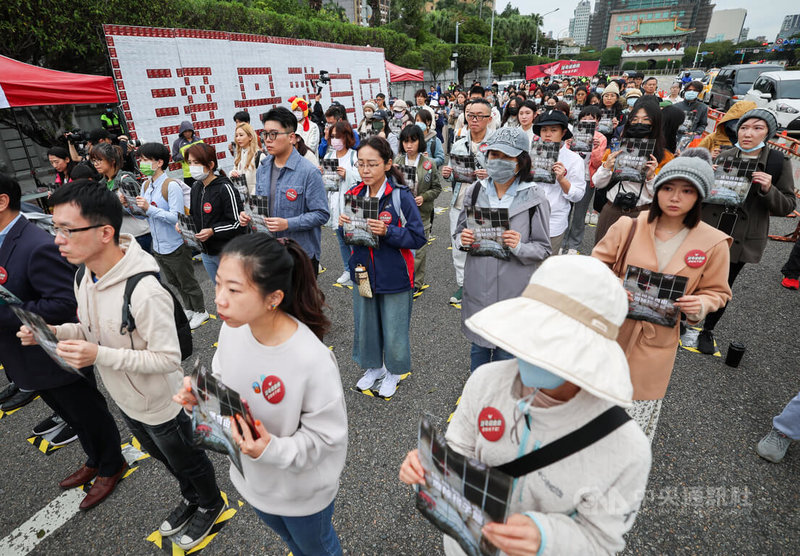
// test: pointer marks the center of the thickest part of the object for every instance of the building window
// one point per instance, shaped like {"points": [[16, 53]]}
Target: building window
{"points": [[649, 16], [618, 28], [625, 28], [682, 13], [619, 18], [627, 18]]}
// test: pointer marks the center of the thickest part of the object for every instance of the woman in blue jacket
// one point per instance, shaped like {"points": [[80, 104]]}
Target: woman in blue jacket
{"points": [[381, 342]]}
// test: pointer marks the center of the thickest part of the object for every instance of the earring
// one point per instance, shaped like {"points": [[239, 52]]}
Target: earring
{"points": [[273, 306]]}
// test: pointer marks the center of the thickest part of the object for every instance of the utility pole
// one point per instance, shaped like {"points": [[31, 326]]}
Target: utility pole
{"points": [[456, 52], [694, 64], [491, 46]]}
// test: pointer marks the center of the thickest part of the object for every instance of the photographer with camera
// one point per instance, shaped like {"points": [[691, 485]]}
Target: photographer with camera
{"points": [[629, 198]]}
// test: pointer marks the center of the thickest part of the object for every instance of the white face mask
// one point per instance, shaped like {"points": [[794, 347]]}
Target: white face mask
{"points": [[368, 114], [198, 172], [299, 115]]}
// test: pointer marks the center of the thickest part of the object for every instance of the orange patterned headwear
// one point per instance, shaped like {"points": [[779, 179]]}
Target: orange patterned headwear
{"points": [[299, 103]]}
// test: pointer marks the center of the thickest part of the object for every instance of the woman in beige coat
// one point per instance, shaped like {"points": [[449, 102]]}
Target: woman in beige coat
{"points": [[670, 239]]}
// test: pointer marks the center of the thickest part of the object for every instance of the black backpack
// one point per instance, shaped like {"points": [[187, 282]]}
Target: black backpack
{"points": [[128, 322]]}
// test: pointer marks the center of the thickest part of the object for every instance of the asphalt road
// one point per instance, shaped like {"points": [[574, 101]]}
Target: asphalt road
{"points": [[709, 493]]}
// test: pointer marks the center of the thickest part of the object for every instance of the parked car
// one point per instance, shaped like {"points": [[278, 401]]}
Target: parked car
{"points": [[695, 74], [733, 82], [708, 82], [780, 91]]}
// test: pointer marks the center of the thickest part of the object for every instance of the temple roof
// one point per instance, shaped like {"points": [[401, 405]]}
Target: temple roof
{"points": [[656, 28]]}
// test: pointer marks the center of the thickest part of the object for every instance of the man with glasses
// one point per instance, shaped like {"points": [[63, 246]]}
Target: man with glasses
{"points": [[478, 114], [32, 270], [140, 368], [298, 204]]}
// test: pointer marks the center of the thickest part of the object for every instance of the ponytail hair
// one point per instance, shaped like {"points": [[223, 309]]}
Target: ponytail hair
{"points": [[281, 264], [385, 151]]}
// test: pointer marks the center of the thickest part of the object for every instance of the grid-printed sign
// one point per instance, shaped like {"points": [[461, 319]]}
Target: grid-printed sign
{"points": [[166, 76]]}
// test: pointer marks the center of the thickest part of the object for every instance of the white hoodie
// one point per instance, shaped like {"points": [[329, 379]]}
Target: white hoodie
{"points": [[584, 503], [141, 370]]}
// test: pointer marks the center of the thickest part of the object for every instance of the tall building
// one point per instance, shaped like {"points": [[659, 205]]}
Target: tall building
{"points": [[352, 9], [612, 18], [791, 26], [743, 34], [726, 25], [579, 24]]}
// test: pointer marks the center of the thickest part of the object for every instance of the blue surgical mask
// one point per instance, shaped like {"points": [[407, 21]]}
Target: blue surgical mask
{"points": [[534, 376], [422, 126], [741, 148], [690, 95], [631, 101], [501, 171], [600, 90]]}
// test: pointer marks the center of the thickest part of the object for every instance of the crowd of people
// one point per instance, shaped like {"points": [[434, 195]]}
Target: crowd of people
{"points": [[548, 353]]}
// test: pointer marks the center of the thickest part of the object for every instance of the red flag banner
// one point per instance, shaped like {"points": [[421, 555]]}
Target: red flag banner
{"points": [[562, 67]]}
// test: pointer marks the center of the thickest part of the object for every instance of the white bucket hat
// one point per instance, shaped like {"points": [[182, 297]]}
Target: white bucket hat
{"points": [[566, 321]]}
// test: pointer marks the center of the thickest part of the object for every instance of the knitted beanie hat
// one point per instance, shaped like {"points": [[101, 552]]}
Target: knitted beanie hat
{"points": [[762, 114], [612, 88], [696, 171]]}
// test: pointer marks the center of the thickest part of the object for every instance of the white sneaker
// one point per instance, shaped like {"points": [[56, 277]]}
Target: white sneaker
{"points": [[587, 217], [572, 252], [389, 385], [189, 314], [344, 278], [689, 338], [370, 377], [197, 319], [593, 219]]}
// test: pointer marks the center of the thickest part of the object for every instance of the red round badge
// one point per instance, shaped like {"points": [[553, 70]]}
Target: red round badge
{"points": [[482, 147], [207, 208], [273, 389], [153, 204], [427, 165], [291, 195], [385, 217], [491, 424], [696, 258], [3, 275]]}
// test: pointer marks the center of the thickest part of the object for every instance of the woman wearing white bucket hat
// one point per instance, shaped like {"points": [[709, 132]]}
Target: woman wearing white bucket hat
{"points": [[670, 239], [584, 502]]}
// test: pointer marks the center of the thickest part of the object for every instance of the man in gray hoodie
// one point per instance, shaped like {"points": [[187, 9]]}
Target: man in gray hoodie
{"points": [[186, 138]]}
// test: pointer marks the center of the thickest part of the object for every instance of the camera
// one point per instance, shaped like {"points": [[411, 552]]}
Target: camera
{"points": [[323, 80], [625, 200], [78, 138]]}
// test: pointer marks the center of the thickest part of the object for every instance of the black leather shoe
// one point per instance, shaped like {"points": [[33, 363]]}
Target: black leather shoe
{"points": [[17, 400], [8, 391], [705, 342]]}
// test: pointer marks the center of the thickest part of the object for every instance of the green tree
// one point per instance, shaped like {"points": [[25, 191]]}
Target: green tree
{"points": [[410, 59], [471, 57], [502, 68], [408, 17], [436, 58], [610, 57]]}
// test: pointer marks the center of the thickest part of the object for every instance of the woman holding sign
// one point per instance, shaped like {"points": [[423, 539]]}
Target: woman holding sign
{"points": [[667, 241], [414, 161], [340, 173], [383, 269], [270, 352], [505, 229]]}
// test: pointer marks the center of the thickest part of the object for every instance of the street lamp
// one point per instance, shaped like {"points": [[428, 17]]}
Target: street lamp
{"points": [[491, 45], [541, 17], [458, 23]]}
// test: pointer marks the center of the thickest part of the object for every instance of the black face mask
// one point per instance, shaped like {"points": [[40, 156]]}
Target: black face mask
{"points": [[512, 110], [638, 131]]}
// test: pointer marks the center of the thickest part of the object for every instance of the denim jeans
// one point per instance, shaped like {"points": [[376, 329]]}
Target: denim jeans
{"points": [[211, 262], [310, 535], [145, 242], [344, 249], [171, 443], [788, 422], [480, 355], [381, 334]]}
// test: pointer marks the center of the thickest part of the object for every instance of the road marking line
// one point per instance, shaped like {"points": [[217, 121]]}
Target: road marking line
{"points": [[46, 521]]}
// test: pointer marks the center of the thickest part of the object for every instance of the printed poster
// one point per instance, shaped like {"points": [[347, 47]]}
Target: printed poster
{"points": [[654, 295]]}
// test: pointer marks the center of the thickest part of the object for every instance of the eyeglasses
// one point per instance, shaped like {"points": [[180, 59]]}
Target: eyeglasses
{"points": [[477, 117], [272, 135], [66, 233], [371, 165]]}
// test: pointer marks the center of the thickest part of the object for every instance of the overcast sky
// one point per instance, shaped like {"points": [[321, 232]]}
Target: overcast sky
{"points": [[761, 21]]}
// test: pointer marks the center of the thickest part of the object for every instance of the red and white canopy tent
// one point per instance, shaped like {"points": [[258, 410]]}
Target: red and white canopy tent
{"points": [[398, 73], [24, 85]]}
